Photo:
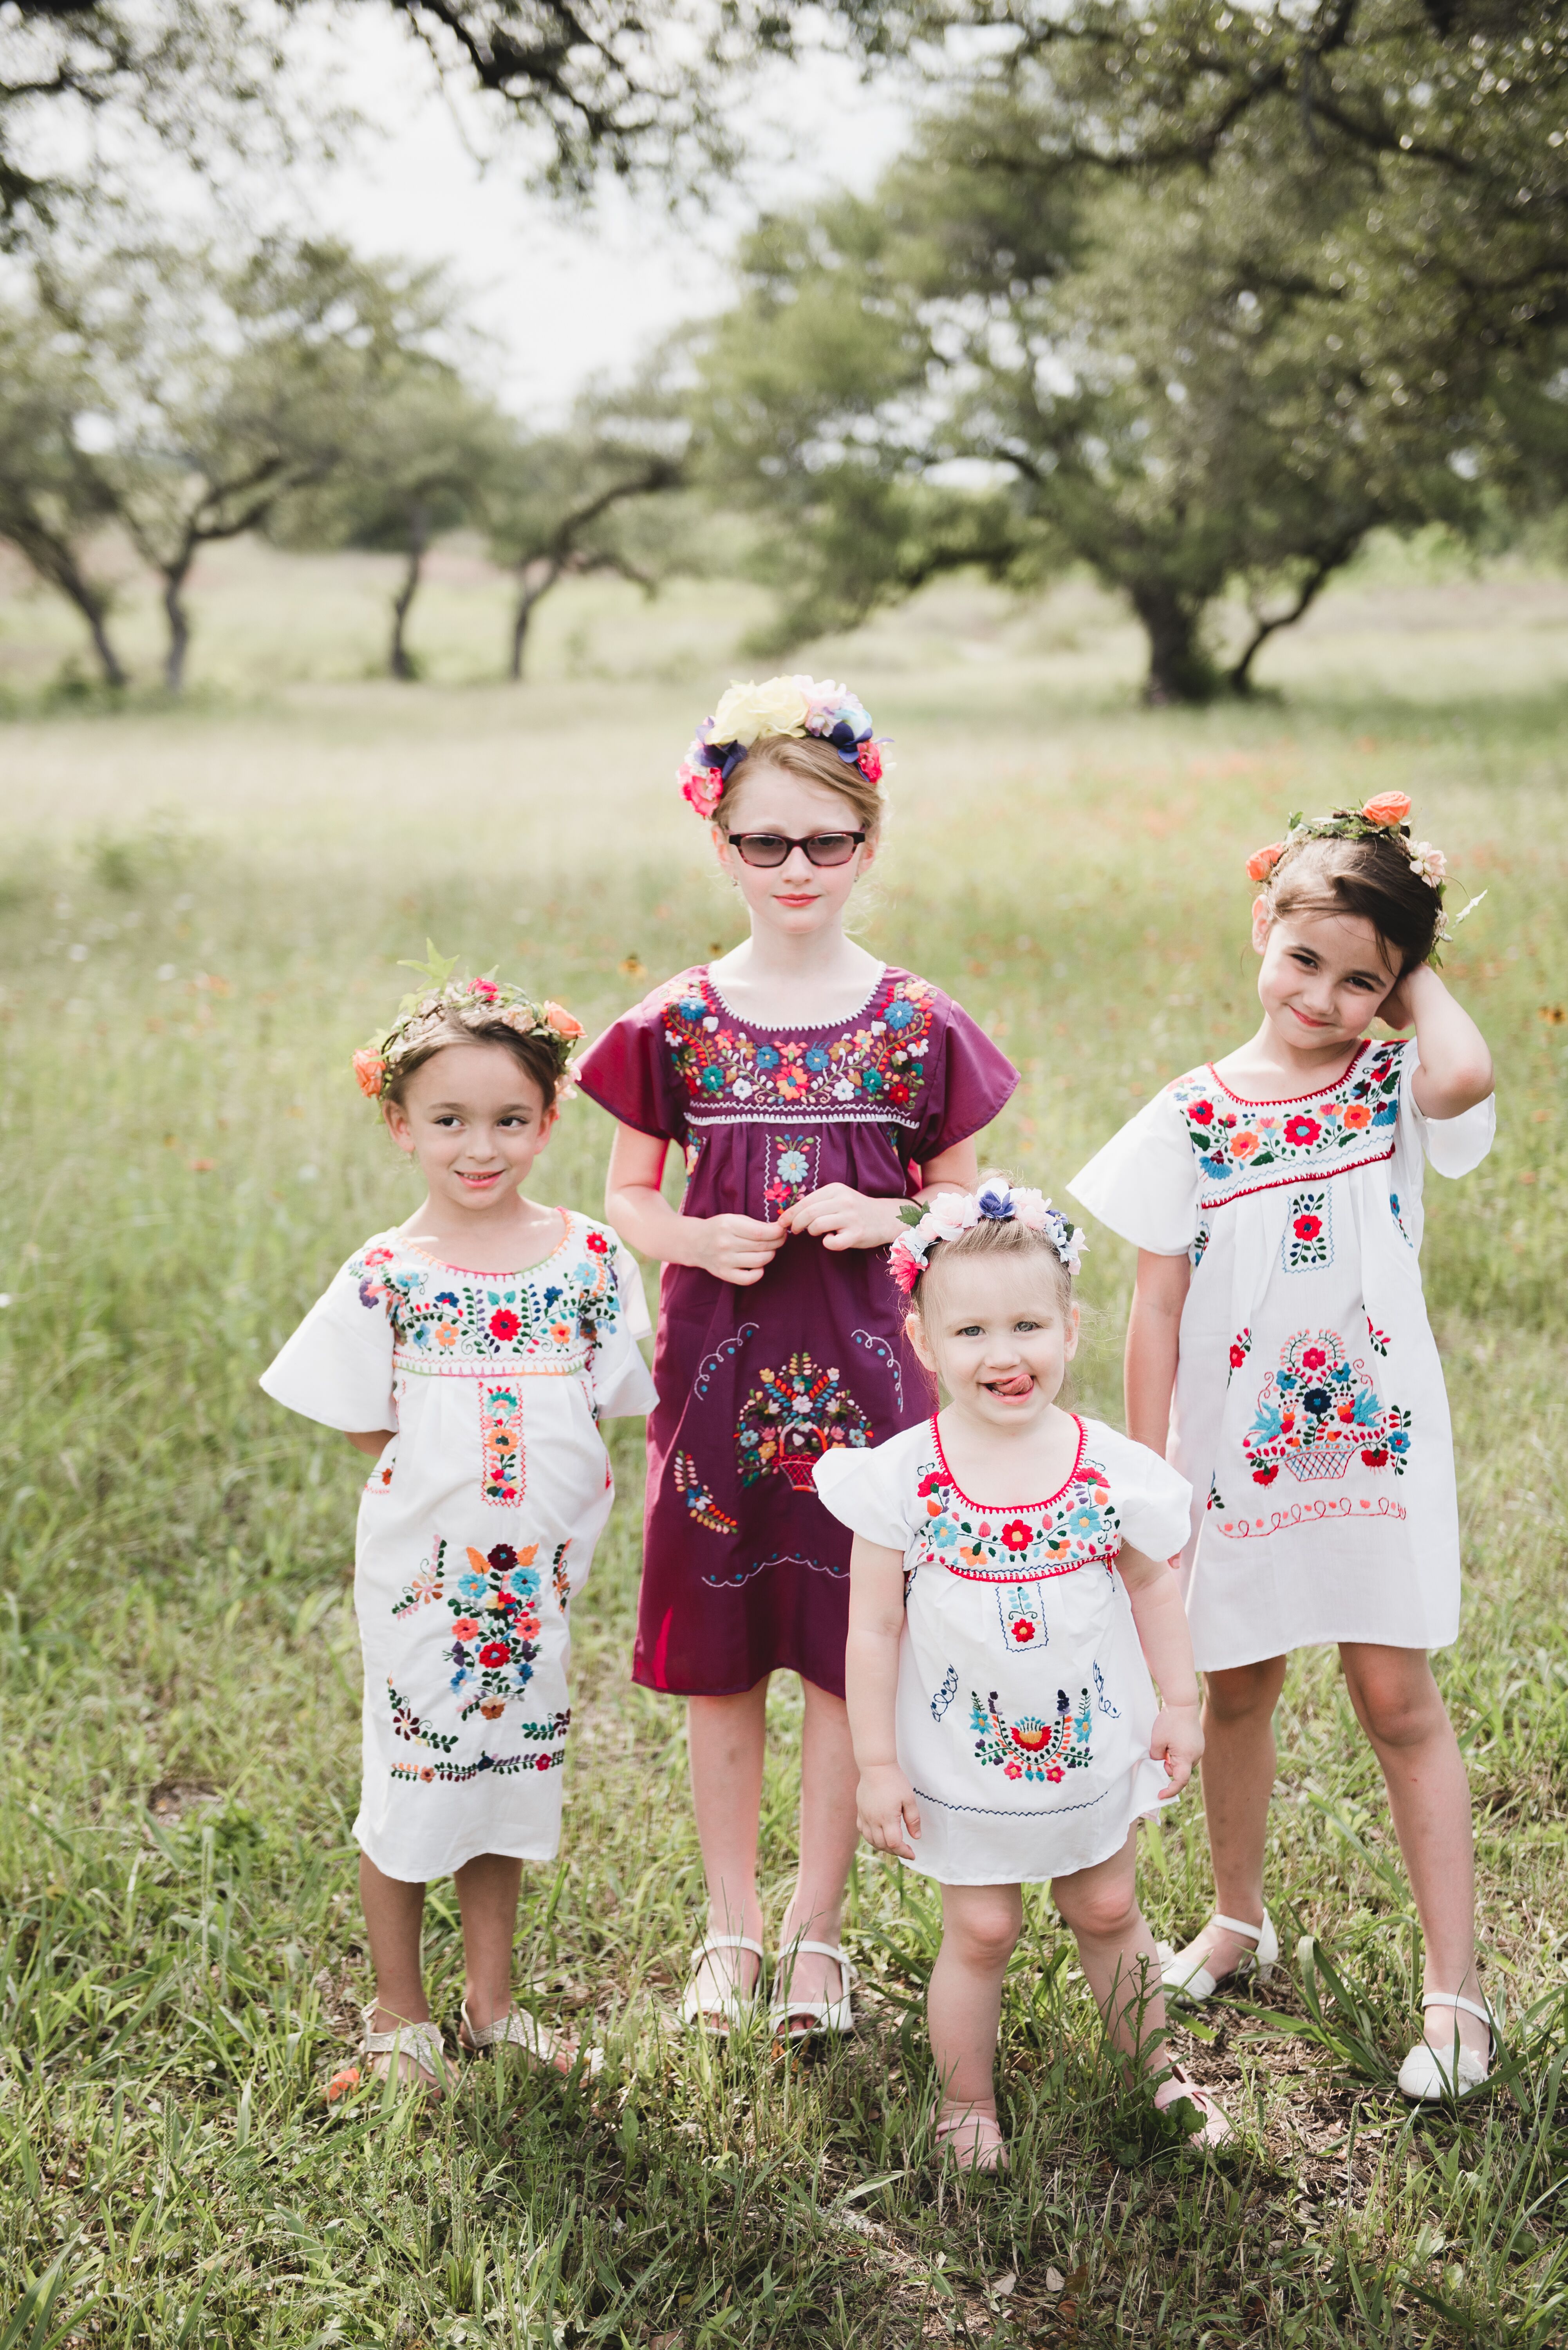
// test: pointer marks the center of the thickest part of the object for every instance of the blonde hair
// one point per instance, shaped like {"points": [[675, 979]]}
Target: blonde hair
{"points": [[814, 763]]}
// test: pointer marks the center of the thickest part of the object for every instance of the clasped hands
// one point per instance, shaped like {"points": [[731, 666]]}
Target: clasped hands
{"points": [[740, 1249]]}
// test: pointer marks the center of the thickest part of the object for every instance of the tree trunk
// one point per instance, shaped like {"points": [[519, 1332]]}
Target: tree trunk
{"points": [[399, 661], [53, 561], [1179, 670], [179, 622], [1240, 678], [529, 594]]}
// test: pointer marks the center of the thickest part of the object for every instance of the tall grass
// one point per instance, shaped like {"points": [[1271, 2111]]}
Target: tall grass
{"points": [[202, 913]]}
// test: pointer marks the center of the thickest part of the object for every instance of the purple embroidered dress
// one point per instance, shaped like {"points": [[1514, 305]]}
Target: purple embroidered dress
{"points": [[744, 1573]]}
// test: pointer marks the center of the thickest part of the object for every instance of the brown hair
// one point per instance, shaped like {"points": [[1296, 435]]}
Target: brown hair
{"points": [[1371, 878], [813, 761], [535, 1056]]}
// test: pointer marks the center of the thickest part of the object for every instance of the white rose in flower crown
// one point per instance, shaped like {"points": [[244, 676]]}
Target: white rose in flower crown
{"points": [[748, 711]]}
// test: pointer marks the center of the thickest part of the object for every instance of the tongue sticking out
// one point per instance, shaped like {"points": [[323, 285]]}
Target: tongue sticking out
{"points": [[1019, 1383]]}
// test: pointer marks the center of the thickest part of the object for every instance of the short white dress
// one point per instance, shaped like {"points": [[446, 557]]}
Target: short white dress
{"points": [[1310, 1416], [477, 1524], [1024, 1706]]}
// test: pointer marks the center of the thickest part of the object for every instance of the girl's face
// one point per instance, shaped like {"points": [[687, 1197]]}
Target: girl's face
{"points": [[796, 899], [994, 1331], [1324, 976], [475, 1121]]}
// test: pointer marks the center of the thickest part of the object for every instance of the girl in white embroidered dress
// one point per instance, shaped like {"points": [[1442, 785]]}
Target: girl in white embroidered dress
{"points": [[1279, 1351], [1006, 1730], [470, 1354]]}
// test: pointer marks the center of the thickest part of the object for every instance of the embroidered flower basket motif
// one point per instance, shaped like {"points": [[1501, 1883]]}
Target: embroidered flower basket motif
{"points": [[698, 1496], [875, 1072], [1319, 1412], [443, 1320], [1246, 1147], [1031, 1748], [1307, 1242], [500, 1441], [791, 1419], [1023, 1627], [790, 1165], [1016, 1546]]}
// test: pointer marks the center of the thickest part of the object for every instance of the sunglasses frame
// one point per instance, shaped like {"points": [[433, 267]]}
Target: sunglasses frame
{"points": [[735, 839]]}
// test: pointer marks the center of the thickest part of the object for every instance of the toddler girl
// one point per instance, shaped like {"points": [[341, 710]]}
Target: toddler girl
{"points": [[470, 1354], [813, 1090], [1005, 1728], [1279, 1348]]}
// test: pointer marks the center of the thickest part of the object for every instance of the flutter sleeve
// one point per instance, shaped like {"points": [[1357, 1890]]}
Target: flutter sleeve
{"points": [[968, 1081], [337, 1366], [1453, 1146], [623, 1388], [1153, 1502], [869, 1490], [1144, 1183], [629, 1072]]}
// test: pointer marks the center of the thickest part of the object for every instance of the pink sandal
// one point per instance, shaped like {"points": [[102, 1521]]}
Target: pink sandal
{"points": [[983, 2148]]}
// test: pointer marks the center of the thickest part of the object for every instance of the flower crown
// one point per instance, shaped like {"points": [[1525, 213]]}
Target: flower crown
{"points": [[473, 1003], [1383, 818], [953, 1214], [780, 705]]}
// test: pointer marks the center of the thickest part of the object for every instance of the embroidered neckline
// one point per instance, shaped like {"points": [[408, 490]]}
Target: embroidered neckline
{"points": [[1283, 1101], [790, 1027], [492, 1273], [999, 1509]]}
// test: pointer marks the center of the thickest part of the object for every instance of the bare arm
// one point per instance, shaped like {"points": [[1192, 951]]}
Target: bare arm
{"points": [[1177, 1738], [1154, 1327], [841, 1218], [1456, 1070], [734, 1248], [373, 1441], [885, 1807]]}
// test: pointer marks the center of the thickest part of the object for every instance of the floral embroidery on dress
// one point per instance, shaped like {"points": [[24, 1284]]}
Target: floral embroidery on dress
{"points": [[501, 1440], [877, 1071], [791, 1419], [1023, 1619], [1307, 1242], [1030, 1748], [1022, 1544], [946, 1694], [494, 1597], [884, 1354], [1200, 1240], [443, 1319], [560, 1576], [1399, 1219], [790, 1165], [698, 1496], [1112, 1713], [1241, 1347], [1348, 1125], [551, 1733], [1375, 1338], [1318, 1410]]}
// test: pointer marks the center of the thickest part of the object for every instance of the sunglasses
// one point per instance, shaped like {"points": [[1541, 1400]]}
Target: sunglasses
{"points": [[771, 849]]}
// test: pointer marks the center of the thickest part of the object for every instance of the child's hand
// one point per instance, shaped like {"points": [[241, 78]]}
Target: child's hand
{"points": [[738, 1249], [842, 1219], [885, 1808], [1176, 1741]]}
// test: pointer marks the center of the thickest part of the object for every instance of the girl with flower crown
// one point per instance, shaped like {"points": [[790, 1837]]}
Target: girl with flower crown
{"points": [[470, 1354], [813, 1090], [1005, 1725], [1278, 1349]]}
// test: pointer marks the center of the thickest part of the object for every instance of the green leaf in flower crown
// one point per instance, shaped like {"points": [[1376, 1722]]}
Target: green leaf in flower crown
{"points": [[437, 968], [911, 1213]]}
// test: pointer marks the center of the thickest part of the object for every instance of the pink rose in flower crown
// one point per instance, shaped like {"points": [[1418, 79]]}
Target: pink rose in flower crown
{"points": [[870, 762], [1263, 861], [1388, 809], [485, 990], [701, 786]]}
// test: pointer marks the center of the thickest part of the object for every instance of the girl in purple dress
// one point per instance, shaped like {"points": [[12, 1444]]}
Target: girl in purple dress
{"points": [[811, 1089]]}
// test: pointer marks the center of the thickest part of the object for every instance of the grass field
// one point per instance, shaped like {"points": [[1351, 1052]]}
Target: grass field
{"points": [[203, 911]]}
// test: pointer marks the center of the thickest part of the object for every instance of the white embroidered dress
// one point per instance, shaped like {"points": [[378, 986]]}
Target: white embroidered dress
{"points": [[477, 1524], [1310, 1416], [1024, 1705]]}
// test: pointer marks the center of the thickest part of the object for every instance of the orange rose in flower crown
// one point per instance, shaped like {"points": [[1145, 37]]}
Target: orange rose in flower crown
{"points": [[477, 1005], [1380, 818]]}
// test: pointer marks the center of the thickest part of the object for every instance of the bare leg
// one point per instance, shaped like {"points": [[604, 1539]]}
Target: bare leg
{"points": [[1398, 1705], [1237, 1776], [393, 1913], [726, 1738], [487, 1889], [827, 1839], [981, 1925]]}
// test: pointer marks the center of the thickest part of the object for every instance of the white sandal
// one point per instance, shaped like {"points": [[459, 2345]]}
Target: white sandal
{"points": [[986, 2148], [1180, 1971], [1215, 2127], [735, 2005], [520, 2029], [1429, 2073], [421, 2042], [826, 2015]]}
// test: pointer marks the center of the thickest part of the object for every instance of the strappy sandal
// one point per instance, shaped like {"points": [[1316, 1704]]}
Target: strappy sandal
{"points": [[420, 2044], [801, 2019], [1429, 2073], [1181, 1971], [972, 2141], [1178, 2084], [734, 2005], [519, 2029]]}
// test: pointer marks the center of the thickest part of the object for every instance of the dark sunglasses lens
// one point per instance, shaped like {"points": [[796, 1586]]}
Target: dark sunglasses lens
{"points": [[762, 848], [831, 848]]}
